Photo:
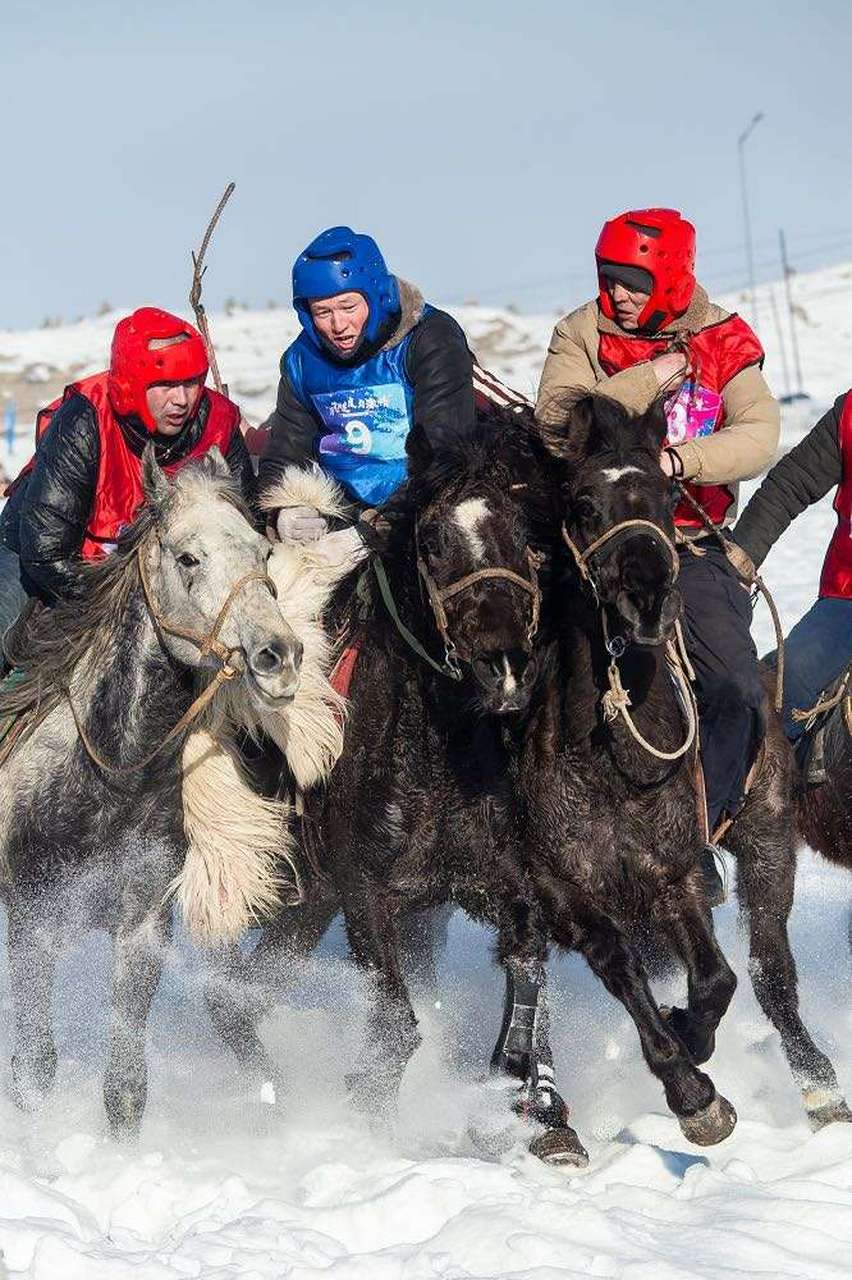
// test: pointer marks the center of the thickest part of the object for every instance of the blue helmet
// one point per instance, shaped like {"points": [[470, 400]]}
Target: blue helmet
{"points": [[337, 261]]}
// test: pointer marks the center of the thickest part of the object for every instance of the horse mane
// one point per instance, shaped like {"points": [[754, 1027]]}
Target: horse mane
{"points": [[598, 424], [47, 643]]}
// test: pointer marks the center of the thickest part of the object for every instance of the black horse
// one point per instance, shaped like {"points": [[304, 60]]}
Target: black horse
{"points": [[610, 785], [421, 808]]}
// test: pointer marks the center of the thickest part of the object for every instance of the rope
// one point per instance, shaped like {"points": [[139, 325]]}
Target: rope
{"points": [[616, 700], [232, 661], [446, 668], [649, 526], [826, 704], [224, 673], [758, 582], [437, 595]]}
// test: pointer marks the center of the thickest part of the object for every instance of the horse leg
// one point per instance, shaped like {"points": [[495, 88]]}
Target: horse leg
{"points": [[242, 991], [687, 921], [33, 947], [704, 1116], [523, 1049], [422, 937], [392, 1034], [137, 966], [766, 869]]}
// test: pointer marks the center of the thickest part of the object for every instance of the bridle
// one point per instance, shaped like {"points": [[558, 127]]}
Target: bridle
{"points": [[616, 700], [437, 596], [649, 527], [231, 660]]}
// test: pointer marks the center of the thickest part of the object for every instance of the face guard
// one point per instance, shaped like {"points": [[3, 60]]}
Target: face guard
{"points": [[656, 247]]}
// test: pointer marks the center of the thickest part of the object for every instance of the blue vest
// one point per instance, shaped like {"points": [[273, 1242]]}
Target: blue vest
{"points": [[364, 413]]}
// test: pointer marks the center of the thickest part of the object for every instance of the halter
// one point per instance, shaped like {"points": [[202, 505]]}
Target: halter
{"points": [[232, 663], [438, 595], [648, 527], [616, 700]]}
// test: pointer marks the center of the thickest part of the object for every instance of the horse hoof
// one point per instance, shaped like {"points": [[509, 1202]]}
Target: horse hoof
{"points": [[826, 1111], [712, 1124], [560, 1148]]}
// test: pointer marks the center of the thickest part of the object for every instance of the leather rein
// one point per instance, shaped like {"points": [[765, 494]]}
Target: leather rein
{"points": [[616, 700], [437, 596], [232, 663]]}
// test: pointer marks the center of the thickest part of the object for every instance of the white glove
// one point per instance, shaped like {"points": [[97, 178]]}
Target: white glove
{"points": [[300, 524], [344, 548]]}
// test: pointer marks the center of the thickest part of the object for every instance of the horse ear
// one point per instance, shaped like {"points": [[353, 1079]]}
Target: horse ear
{"points": [[155, 486], [655, 424], [419, 448], [570, 438], [215, 465]]}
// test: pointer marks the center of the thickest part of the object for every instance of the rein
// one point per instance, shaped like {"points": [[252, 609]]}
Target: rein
{"points": [[232, 664], [616, 700], [759, 584], [438, 595]]}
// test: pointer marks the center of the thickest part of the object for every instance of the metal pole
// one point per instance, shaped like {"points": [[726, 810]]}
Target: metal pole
{"points": [[741, 141], [785, 267], [785, 368]]}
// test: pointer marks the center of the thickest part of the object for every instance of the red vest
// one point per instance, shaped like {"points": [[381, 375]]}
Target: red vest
{"points": [[719, 353], [118, 495], [836, 579]]}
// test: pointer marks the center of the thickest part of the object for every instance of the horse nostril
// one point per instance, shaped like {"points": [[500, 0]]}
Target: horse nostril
{"points": [[269, 660], [297, 650]]}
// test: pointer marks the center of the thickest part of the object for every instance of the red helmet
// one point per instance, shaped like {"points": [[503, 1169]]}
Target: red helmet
{"points": [[658, 248], [148, 347]]}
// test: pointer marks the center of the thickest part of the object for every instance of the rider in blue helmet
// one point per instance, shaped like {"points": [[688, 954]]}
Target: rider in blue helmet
{"points": [[372, 360]]}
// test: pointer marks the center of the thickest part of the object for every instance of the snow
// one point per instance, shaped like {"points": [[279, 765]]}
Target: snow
{"points": [[233, 1181]]}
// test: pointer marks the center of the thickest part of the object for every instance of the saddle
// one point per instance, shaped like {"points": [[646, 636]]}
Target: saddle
{"points": [[828, 727]]}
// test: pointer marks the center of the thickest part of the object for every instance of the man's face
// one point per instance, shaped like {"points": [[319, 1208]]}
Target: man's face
{"points": [[340, 320], [628, 303], [172, 404]]}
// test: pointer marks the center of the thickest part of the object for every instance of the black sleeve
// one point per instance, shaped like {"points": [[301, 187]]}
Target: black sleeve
{"points": [[802, 477], [239, 461], [440, 367], [57, 505], [292, 431]]}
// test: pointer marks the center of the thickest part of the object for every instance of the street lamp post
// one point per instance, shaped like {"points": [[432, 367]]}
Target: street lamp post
{"points": [[741, 141]]}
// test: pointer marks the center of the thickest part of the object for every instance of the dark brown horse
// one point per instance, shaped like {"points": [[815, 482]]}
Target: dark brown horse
{"points": [[824, 812], [421, 808], [614, 824]]}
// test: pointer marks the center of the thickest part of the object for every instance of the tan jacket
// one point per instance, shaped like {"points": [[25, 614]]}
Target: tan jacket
{"points": [[743, 448]]}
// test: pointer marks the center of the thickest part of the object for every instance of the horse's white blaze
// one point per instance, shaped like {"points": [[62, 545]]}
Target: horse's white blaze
{"points": [[510, 684], [615, 473], [467, 516]]}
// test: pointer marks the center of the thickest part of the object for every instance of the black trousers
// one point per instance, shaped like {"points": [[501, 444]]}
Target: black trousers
{"points": [[730, 694]]}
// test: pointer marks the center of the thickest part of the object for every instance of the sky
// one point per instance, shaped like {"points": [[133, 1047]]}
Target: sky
{"points": [[482, 142]]}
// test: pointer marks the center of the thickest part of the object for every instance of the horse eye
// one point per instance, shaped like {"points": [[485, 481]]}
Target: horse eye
{"points": [[187, 561]]}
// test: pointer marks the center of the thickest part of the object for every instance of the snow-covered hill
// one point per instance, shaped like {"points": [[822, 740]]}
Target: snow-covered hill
{"points": [[223, 1187]]}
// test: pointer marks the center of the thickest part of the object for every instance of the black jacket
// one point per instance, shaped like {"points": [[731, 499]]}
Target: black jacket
{"points": [[439, 365], [45, 519], [802, 477]]}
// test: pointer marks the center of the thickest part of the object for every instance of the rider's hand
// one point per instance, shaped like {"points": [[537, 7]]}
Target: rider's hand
{"points": [[671, 464], [300, 524], [669, 369]]}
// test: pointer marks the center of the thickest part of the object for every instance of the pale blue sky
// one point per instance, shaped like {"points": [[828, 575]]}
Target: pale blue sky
{"points": [[482, 143]]}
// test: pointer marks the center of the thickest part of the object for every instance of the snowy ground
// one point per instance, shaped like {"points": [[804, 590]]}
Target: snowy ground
{"points": [[223, 1186]]}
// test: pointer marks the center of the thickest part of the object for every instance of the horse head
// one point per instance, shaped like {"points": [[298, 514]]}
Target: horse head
{"points": [[618, 522], [203, 568], [475, 563]]}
